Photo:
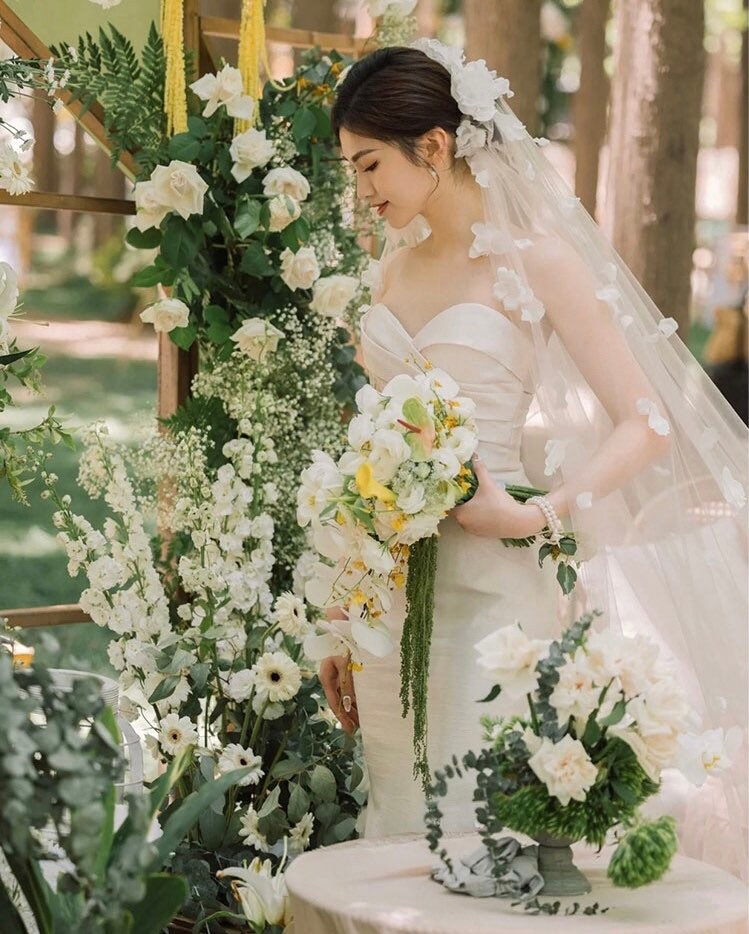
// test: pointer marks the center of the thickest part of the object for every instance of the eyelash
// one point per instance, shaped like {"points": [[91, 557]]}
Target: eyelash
{"points": [[372, 167]]}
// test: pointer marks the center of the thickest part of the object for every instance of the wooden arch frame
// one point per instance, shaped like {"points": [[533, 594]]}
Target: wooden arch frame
{"points": [[175, 367]]}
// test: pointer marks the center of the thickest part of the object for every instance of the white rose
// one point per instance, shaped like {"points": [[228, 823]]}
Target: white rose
{"points": [[476, 89], [418, 527], [299, 270], [225, 88], [654, 753], [256, 337], [283, 211], [661, 709], [8, 290], [166, 315], [286, 181], [631, 660], [449, 56], [179, 187], [250, 150], [509, 658], [565, 768], [149, 210], [469, 139], [333, 294], [575, 693]]}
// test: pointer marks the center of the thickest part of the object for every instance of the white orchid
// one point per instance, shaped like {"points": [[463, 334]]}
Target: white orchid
{"points": [[710, 753]]}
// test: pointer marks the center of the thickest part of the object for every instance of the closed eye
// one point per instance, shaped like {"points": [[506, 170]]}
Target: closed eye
{"points": [[371, 168]]}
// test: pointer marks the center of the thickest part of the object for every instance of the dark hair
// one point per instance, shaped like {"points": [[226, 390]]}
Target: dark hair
{"points": [[396, 95]]}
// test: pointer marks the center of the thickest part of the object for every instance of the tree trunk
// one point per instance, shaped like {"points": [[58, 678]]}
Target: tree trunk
{"points": [[109, 182], [507, 34], [426, 17], [656, 99], [591, 100], [742, 207]]}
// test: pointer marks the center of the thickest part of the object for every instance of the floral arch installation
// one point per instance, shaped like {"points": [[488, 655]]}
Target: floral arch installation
{"points": [[176, 367]]}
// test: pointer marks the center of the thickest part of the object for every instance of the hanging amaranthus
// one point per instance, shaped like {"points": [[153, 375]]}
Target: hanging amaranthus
{"points": [[253, 51], [175, 94]]}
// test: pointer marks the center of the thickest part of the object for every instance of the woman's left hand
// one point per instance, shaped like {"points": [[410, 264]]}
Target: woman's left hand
{"points": [[493, 513]]}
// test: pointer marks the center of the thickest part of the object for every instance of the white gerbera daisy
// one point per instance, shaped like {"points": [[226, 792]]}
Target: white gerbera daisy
{"points": [[301, 834], [176, 734], [290, 615], [277, 677], [235, 756], [248, 829]]}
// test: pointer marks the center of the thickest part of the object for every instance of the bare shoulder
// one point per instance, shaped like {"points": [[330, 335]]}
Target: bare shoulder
{"points": [[556, 272]]}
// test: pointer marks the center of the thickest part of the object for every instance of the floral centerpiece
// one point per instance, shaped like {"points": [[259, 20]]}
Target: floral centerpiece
{"points": [[374, 516], [588, 723]]}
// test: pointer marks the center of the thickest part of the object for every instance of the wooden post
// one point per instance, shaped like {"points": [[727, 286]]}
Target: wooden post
{"points": [[591, 100], [177, 367], [742, 198]]}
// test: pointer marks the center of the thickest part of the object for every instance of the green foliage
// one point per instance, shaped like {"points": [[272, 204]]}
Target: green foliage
{"points": [[644, 853], [130, 91]]}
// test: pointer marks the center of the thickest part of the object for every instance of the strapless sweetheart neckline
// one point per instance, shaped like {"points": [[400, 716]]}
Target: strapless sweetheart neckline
{"points": [[458, 305]]}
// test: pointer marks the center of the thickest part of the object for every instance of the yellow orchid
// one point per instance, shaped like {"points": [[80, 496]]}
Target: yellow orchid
{"points": [[369, 487]]}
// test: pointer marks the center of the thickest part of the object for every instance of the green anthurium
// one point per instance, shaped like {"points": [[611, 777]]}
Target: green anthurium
{"points": [[419, 425]]}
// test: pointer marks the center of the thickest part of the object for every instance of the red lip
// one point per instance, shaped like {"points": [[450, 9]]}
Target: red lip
{"points": [[381, 208]]}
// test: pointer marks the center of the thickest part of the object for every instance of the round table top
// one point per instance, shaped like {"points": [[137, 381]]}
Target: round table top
{"points": [[381, 886]]}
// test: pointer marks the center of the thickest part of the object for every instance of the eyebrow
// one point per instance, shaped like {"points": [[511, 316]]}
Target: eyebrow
{"points": [[362, 152]]}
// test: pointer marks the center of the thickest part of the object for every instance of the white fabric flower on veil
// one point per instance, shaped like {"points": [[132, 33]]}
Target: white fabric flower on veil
{"points": [[655, 420], [449, 56], [488, 238], [469, 139], [511, 129], [476, 89]]}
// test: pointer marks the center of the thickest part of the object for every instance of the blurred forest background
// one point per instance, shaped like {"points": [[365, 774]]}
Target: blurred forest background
{"points": [[645, 103]]}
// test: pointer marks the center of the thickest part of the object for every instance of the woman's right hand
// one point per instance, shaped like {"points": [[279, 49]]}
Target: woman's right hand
{"points": [[338, 683]]}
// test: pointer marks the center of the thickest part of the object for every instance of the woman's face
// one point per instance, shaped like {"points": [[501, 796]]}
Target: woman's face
{"points": [[393, 185]]}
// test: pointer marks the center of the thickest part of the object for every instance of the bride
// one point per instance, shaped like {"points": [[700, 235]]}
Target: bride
{"points": [[495, 274]]}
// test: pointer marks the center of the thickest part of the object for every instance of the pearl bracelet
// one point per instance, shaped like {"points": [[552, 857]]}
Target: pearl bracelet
{"points": [[555, 527]]}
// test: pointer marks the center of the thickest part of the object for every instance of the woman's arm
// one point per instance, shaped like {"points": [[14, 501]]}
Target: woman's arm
{"points": [[594, 341]]}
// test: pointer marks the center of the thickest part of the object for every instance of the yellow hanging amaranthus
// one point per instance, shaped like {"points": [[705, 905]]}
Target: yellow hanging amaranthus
{"points": [[253, 51], [175, 94]]}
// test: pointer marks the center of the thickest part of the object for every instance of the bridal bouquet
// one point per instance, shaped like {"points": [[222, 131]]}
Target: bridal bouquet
{"points": [[589, 722], [374, 516]]}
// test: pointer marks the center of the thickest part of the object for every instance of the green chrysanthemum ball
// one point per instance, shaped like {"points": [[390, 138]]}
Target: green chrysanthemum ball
{"points": [[644, 853]]}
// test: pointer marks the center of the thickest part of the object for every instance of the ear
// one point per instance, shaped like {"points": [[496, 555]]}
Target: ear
{"points": [[436, 146]]}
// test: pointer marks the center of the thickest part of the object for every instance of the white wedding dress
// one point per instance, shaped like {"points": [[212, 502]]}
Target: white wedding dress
{"points": [[481, 584]]}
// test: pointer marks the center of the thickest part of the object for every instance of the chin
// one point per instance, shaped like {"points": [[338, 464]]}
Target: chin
{"points": [[398, 220]]}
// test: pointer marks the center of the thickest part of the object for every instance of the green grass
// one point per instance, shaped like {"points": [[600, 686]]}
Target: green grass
{"points": [[33, 567]]}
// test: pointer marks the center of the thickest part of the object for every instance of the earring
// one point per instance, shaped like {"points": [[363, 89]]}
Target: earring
{"points": [[433, 172]]}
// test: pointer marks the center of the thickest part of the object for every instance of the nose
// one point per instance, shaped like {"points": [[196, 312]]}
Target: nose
{"points": [[363, 187]]}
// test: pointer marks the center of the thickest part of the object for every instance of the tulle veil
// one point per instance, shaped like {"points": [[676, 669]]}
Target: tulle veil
{"points": [[666, 552]]}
